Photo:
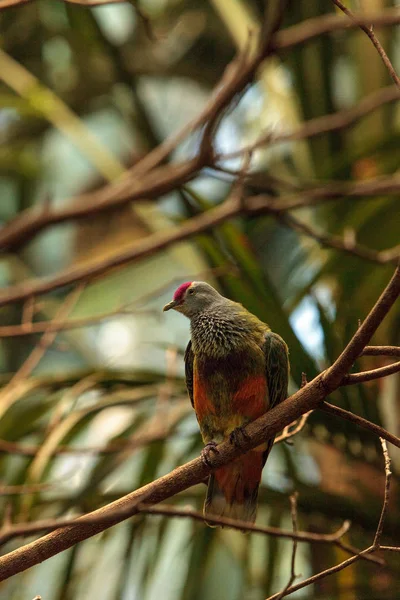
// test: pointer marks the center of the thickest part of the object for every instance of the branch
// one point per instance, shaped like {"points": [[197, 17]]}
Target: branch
{"points": [[149, 246], [381, 351], [382, 257], [293, 576], [370, 375], [293, 429], [329, 23], [375, 546], [11, 531], [325, 124], [370, 33], [335, 373], [364, 423], [388, 477], [307, 398]]}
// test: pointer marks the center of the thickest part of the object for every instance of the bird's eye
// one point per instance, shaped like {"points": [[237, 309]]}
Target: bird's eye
{"points": [[191, 291]]}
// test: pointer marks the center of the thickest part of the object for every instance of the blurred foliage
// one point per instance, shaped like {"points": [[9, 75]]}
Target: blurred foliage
{"points": [[86, 92]]}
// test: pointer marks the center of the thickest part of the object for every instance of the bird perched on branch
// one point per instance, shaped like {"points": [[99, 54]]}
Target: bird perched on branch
{"points": [[236, 370]]}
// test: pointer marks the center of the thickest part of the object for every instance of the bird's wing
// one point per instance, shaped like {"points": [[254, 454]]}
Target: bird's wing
{"points": [[277, 367], [188, 358], [277, 371]]}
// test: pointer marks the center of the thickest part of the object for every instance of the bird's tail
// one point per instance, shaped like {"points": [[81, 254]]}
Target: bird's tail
{"points": [[233, 489]]}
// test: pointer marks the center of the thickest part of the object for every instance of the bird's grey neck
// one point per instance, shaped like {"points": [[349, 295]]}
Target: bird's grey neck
{"points": [[214, 333]]}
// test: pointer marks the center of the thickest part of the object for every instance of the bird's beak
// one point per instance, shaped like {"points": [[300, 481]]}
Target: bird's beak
{"points": [[170, 305]]}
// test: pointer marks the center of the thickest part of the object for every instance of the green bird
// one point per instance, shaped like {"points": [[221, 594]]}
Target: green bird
{"points": [[236, 370]]}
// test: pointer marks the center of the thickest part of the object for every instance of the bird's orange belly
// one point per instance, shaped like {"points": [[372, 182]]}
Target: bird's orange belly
{"points": [[245, 401]]}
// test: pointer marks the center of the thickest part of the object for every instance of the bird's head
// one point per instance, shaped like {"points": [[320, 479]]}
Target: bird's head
{"points": [[192, 298]]}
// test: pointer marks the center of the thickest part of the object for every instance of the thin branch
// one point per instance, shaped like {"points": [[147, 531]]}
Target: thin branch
{"points": [[293, 576], [388, 477], [17, 383], [293, 429], [381, 351], [323, 574], [370, 33], [335, 373], [364, 423], [378, 373], [375, 546], [325, 124], [154, 243], [11, 531], [330, 23], [332, 241]]}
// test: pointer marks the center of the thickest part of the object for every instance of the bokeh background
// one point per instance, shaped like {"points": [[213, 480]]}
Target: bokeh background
{"points": [[110, 92]]}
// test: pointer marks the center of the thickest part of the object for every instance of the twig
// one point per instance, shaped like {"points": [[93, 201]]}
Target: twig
{"points": [[293, 429], [375, 546], [293, 576], [381, 351], [338, 243], [354, 348], [325, 124], [323, 574], [349, 416], [370, 33], [11, 531], [388, 477], [329, 23], [11, 390], [378, 373]]}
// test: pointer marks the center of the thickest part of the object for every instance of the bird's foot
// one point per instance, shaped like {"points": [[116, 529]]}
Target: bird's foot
{"points": [[207, 451], [238, 436]]}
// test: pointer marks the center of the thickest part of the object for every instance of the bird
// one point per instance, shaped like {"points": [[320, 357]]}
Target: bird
{"points": [[236, 369]]}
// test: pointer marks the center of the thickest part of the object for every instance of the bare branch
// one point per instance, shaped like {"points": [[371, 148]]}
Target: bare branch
{"points": [[388, 477], [381, 351], [293, 429], [11, 531], [329, 23], [353, 378], [370, 33], [349, 416], [293, 576], [325, 124], [331, 241], [353, 350]]}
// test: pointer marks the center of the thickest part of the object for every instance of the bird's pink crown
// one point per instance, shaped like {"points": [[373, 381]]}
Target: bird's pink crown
{"points": [[180, 292]]}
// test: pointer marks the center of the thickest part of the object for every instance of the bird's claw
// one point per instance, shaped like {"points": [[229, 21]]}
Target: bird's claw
{"points": [[206, 452], [238, 436]]}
